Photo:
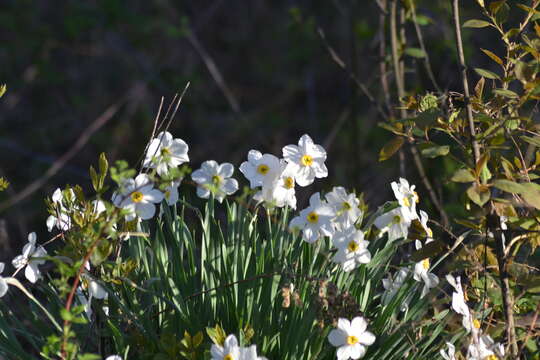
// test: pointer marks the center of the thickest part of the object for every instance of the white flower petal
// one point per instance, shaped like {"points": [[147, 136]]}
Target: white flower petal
{"points": [[145, 210], [337, 337]]}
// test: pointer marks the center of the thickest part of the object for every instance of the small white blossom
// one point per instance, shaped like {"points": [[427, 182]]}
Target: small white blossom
{"points": [[279, 190], [421, 272], [229, 351], [60, 219], [165, 153], [485, 349], [458, 297], [315, 220], [171, 193], [407, 198], [423, 221], [215, 177], [27, 258], [351, 338], [259, 168], [352, 248], [3, 282], [114, 357], [450, 353], [393, 285], [395, 222], [346, 207], [308, 160], [138, 196]]}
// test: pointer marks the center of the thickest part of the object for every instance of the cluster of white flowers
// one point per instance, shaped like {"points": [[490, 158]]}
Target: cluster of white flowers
{"points": [[481, 346], [396, 224], [232, 351], [138, 196], [337, 215]]}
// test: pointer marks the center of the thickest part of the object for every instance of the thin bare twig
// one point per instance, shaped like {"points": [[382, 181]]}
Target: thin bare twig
{"points": [[214, 71], [337, 59], [61, 162], [425, 59], [466, 94]]}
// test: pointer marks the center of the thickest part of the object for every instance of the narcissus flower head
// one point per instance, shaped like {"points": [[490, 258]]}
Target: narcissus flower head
{"points": [[406, 197], [315, 220], [307, 159], [165, 153], [30, 252], [138, 196], [216, 178], [421, 272], [352, 248], [346, 207], [279, 190], [351, 338], [260, 168], [395, 222]]}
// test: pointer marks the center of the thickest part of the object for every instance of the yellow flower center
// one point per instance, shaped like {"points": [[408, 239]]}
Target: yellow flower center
{"points": [[288, 182], [306, 160], [416, 197], [476, 323], [397, 219], [491, 357], [346, 206], [263, 169], [353, 246], [312, 217], [165, 151], [406, 202], [351, 340], [167, 194], [425, 264], [216, 179], [228, 357], [429, 232], [136, 196]]}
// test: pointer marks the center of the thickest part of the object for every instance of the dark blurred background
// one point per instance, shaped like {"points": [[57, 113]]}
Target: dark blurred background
{"points": [[260, 74]]}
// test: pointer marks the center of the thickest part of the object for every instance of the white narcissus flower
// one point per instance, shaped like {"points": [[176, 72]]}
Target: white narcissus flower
{"points": [[315, 220], [458, 297], [279, 190], [345, 205], [3, 282], [259, 168], [392, 286], [165, 153], [450, 353], [138, 196], [421, 272], [352, 248], [60, 219], [423, 221], [30, 251], [114, 357], [395, 222], [485, 349], [171, 193], [351, 338], [308, 160], [229, 351], [407, 198], [216, 178]]}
